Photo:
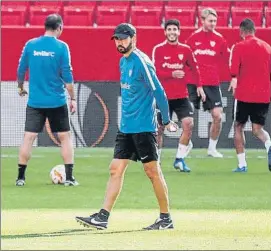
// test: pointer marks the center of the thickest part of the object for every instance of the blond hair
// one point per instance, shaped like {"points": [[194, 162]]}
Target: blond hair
{"points": [[208, 11]]}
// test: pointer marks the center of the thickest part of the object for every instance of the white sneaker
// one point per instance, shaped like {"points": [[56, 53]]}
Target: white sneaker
{"points": [[215, 154]]}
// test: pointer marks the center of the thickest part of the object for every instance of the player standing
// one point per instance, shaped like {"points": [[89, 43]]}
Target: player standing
{"points": [[172, 60], [250, 66], [136, 140], [49, 62], [209, 47]]}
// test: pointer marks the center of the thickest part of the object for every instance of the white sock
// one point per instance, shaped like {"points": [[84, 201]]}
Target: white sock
{"points": [[241, 159], [267, 144], [181, 151], [189, 148], [159, 155], [212, 144]]}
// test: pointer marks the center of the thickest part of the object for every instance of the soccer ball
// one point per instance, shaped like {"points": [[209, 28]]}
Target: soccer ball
{"points": [[58, 174]]}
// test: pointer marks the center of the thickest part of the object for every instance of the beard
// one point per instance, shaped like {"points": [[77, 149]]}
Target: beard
{"points": [[124, 50], [172, 40]]}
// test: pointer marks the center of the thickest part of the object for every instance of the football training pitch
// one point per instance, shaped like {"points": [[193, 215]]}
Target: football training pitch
{"points": [[212, 208]]}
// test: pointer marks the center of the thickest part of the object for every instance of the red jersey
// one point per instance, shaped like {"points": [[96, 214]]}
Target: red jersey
{"points": [[168, 58], [209, 48], [250, 62]]}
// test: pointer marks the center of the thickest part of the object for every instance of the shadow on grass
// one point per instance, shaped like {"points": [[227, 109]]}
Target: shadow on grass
{"points": [[69, 232]]}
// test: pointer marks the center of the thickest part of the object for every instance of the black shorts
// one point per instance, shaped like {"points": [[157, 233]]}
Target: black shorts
{"points": [[213, 97], [136, 146], [58, 119], [257, 112], [182, 107]]}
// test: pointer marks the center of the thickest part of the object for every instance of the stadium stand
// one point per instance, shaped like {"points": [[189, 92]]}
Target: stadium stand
{"points": [[140, 13]]}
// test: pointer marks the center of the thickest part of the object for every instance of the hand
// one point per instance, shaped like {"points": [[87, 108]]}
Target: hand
{"points": [[172, 126], [22, 92], [73, 106], [233, 85], [201, 94], [178, 74]]}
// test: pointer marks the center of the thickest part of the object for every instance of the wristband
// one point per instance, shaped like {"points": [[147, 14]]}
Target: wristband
{"points": [[165, 124]]}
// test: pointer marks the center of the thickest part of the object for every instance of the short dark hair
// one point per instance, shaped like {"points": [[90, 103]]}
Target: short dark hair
{"points": [[53, 22], [247, 25], [172, 22]]}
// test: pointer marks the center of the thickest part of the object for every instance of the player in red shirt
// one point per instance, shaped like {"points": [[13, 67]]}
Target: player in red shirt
{"points": [[209, 48], [250, 66], [172, 60]]}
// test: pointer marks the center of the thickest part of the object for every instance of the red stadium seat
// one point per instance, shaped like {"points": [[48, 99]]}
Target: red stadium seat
{"points": [[107, 15], [39, 13], [48, 3], [268, 17], [248, 4], [144, 16], [78, 16], [217, 4], [115, 3], [184, 15], [149, 3], [222, 13], [82, 3], [13, 15], [183, 4], [15, 3], [238, 14]]}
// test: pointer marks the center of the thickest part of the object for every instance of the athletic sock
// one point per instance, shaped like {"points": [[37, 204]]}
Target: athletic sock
{"points": [[104, 214], [164, 215], [68, 171], [212, 144], [21, 171], [181, 151], [241, 160], [267, 144]]}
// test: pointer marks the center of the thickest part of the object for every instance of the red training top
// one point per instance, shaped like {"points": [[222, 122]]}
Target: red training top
{"points": [[210, 49], [168, 58], [250, 62]]}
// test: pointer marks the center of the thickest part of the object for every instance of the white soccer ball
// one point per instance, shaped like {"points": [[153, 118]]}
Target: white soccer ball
{"points": [[58, 174]]}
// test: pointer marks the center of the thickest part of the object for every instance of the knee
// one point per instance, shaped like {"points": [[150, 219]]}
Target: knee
{"points": [[115, 171], [152, 171], [256, 130], [217, 115], [63, 136], [30, 137], [188, 125]]}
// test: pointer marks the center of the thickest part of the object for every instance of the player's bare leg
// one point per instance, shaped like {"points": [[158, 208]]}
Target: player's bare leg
{"points": [[184, 146], [99, 220], [159, 138], [117, 170], [67, 153], [264, 136], [24, 156], [215, 131], [153, 171], [239, 142]]}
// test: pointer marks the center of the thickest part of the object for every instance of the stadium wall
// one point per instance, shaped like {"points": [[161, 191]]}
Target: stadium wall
{"points": [[98, 116], [95, 63]]}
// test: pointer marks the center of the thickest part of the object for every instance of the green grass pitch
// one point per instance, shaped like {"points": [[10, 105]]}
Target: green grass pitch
{"points": [[212, 207]]}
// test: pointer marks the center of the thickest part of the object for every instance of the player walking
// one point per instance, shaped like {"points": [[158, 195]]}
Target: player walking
{"points": [[209, 48], [250, 66], [172, 60], [136, 138]]}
